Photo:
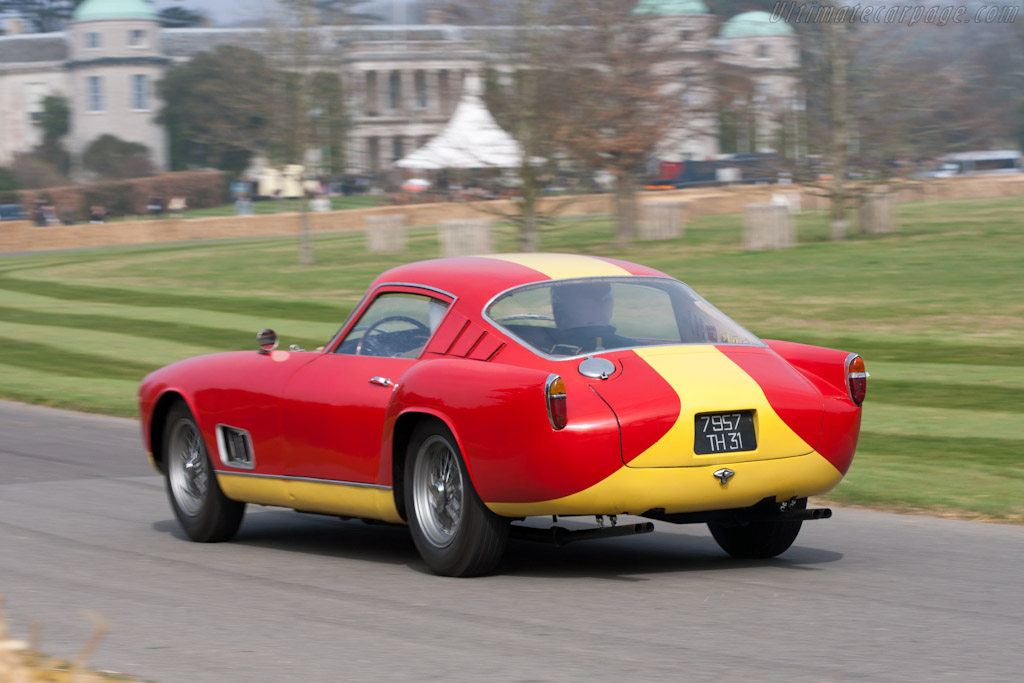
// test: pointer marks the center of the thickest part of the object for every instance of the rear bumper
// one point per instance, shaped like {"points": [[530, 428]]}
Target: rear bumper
{"points": [[688, 489]]}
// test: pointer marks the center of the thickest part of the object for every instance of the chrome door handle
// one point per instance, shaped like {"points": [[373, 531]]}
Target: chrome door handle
{"points": [[381, 381]]}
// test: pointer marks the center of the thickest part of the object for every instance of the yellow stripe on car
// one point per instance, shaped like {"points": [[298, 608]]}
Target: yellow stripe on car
{"points": [[707, 381], [688, 489], [334, 498], [564, 266]]}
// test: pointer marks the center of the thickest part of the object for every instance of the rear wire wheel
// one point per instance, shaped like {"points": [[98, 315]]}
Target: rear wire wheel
{"points": [[202, 509], [757, 540], [454, 532]]}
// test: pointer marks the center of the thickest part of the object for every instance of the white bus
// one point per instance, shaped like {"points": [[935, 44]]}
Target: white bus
{"points": [[979, 163]]}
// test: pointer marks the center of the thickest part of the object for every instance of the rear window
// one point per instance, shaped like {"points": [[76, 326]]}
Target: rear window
{"points": [[566, 318]]}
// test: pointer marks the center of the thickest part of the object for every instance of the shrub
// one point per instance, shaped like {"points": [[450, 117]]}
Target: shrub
{"points": [[8, 186], [112, 158], [201, 188], [31, 172]]}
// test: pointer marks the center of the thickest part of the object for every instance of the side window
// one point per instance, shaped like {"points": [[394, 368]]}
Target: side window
{"points": [[395, 325]]}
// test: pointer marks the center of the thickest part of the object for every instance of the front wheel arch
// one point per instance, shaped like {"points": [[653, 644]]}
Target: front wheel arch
{"points": [[158, 426]]}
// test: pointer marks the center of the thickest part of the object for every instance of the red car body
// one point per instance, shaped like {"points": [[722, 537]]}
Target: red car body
{"points": [[329, 431]]}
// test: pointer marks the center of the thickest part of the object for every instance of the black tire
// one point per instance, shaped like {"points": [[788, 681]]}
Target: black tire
{"points": [[202, 509], [757, 540], [454, 532]]}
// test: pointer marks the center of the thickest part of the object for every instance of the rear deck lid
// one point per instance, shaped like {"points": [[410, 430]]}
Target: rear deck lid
{"points": [[683, 406]]}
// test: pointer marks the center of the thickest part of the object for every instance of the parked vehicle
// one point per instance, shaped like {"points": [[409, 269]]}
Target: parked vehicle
{"points": [[995, 162], [12, 212], [743, 169]]}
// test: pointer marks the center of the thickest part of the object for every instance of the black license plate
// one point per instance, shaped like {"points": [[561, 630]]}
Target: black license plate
{"points": [[724, 432]]}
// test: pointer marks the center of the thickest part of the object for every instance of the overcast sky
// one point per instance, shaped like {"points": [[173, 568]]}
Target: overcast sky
{"points": [[227, 12]]}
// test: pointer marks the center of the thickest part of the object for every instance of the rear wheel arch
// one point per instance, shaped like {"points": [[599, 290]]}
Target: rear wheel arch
{"points": [[405, 427], [454, 532]]}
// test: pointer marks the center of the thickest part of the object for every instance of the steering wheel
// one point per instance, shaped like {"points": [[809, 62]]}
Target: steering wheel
{"points": [[389, 319]]}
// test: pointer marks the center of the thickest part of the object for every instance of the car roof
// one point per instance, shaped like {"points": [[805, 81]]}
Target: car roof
{"points": [[483, 277]]}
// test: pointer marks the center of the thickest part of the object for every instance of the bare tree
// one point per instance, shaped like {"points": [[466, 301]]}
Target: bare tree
{"points": [[308, 115], [885, 97], [521, 91], [622, 90]]}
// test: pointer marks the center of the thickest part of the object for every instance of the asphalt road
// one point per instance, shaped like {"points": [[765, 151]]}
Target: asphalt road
{"points": [[86, 533]]}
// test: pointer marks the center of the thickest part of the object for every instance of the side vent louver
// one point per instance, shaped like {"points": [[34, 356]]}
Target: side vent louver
{"points": [[235, 447]]}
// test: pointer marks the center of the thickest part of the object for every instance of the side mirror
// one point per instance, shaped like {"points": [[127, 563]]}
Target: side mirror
{"points": [[267, 340]]}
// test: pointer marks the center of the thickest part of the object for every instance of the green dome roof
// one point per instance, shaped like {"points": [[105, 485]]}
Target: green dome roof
{"points": [[670, 8], [755, 24], [95, 10]]}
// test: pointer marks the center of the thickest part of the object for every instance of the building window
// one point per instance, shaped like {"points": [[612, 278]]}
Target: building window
{"points": [[764, 51], [371, 102], [373, 152], [140, 92], [94, 93], [35, 94], [137, 38], [443, 91], [397, 148], [394, 91], [420, 84], [93, 40]]}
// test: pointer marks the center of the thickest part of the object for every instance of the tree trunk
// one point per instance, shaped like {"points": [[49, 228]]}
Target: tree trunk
{"points": [[528, 234], [840, 134], [625, 207], [306, 257]]}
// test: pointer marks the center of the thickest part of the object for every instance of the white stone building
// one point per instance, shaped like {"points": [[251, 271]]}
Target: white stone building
{"points": [[401, 82]]}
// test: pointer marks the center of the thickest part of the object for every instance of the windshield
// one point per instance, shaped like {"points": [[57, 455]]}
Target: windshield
{"points": [[576, 317]]}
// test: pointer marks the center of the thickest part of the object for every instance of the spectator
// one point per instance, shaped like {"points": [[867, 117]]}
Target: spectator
{"points": [[243, 204], [50, 215], [320, 203], [176, 206], [97, 214], [155, 206], [37, 213]]}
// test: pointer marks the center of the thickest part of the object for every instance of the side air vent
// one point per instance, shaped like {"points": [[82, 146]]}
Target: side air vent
{"points": [[235, 447]]}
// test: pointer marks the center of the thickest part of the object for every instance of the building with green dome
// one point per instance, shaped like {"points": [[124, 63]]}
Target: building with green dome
{"points": [[99, 10], [753, 24], [671, 8], [115, 59], [402, 83], [759, 55]]}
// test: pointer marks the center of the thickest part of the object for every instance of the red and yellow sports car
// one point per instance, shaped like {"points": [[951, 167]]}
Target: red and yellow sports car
{"points": [[466, 394]]}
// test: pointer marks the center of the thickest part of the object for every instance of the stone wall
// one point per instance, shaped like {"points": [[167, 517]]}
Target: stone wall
{"points": [[18, 236]]}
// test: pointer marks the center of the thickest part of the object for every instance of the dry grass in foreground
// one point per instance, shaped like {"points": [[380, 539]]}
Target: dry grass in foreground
{"points": [[21, 662]]}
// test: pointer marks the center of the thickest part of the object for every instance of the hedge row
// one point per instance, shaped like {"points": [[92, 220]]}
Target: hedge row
{"points": [[200, 189]]}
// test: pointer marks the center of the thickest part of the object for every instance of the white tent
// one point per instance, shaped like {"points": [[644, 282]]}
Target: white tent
{"points": [[471, 139]]}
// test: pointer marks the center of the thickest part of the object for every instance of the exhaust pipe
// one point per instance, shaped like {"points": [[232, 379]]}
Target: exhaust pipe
{"points": [[802, 515], [560, 536]]}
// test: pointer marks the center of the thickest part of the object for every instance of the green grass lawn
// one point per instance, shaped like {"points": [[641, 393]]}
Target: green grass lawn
{"points": [[361, 201], [937, 311]]}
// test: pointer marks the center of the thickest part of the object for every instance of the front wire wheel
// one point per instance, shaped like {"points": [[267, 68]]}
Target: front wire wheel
{"points": [[453, 530], [202, 509]]}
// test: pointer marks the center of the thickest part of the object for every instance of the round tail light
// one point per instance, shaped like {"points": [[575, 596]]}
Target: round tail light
{"points": [[554, 391], [856, 378]]}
